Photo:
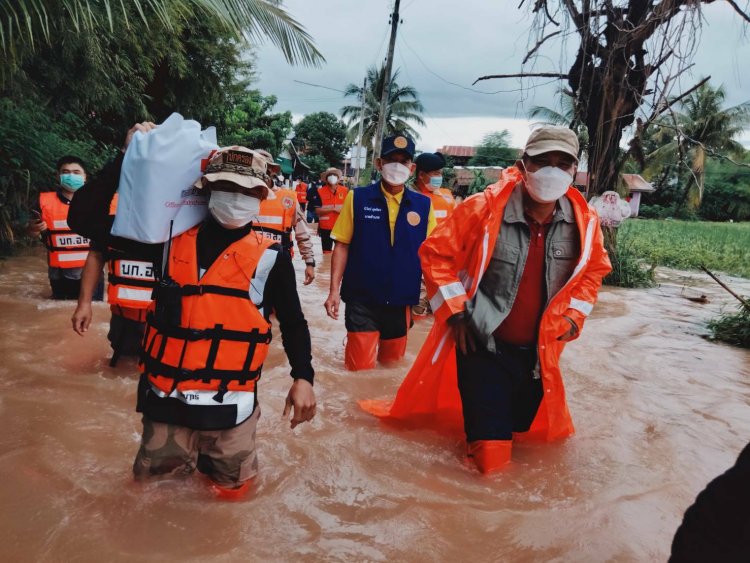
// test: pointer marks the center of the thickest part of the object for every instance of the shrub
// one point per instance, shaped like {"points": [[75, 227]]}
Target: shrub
{"points": [[629, 269], [732, 328]]}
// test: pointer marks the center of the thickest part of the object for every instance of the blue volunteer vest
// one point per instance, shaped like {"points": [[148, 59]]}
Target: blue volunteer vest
{"points": [[376, 272]]}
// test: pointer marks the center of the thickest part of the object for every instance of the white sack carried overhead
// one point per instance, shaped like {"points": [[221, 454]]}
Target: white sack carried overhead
{"points": [[157, 177]]}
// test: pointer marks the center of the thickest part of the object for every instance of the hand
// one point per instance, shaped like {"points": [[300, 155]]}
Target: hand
{"points": [[332, 305], [463, 336], [144, 127], [572, 331], [36, 228], [309, 275], [82, 318], [301, 398]]}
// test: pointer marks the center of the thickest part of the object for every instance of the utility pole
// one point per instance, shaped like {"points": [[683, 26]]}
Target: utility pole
{"points": [[386, 84], [361, 131]]}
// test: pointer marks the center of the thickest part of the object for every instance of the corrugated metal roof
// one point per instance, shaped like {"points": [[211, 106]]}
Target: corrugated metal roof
{"points": [[634, 182], [457, 150]]}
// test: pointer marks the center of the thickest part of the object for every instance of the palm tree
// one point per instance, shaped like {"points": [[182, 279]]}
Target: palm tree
{"points": [[701, 130], [565, 117], [403, 107], [26, 25]]}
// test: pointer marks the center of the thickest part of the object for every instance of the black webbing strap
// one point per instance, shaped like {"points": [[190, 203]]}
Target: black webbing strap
{"points": [[188, 290], [156, 367], [218, 332]]}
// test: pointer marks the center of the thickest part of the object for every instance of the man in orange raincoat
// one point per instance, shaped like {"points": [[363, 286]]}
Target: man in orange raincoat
{"points": [[512, 275]]}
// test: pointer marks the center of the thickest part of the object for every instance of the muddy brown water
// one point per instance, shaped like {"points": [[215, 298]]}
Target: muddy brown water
{"points": [[659, 411]]}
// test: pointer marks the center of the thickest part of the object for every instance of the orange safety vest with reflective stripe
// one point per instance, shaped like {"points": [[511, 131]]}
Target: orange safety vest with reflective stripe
{"points": [[327, 219], [454, 259], [215, 355], [276, 217], [65, 248], [442, 202], [130, 285], [301, 190]]}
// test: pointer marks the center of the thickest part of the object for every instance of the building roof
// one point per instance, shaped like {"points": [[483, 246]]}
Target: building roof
{"points": [[457, 150], [633, 182], [465, 174]]}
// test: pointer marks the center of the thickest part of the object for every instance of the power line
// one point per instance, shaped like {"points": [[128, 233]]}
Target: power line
{"points": [[319, 86]]}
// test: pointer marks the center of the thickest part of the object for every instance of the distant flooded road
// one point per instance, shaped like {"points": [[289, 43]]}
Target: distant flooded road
{"points": [[659, 411]]}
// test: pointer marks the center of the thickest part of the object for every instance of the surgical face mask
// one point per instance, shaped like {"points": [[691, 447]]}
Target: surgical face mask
{"points": [[395, 173], [72, 182], [233, 210], [333, 179], [436, 182], [547, 184]]}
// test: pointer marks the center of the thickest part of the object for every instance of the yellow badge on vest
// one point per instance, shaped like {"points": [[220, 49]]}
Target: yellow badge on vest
{"points": [[413, 218]]}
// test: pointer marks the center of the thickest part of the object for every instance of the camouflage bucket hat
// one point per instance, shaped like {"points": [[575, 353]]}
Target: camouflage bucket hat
{"points": [[239, 165]]}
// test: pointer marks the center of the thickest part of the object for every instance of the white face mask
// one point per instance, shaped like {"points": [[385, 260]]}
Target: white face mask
{"points": [[395, 174], [435, 183], [233, 210], [333, 179], [547, 184]]}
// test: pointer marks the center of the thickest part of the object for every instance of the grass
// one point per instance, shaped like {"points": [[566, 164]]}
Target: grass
{"points": [[722, 247], [733, 328]]}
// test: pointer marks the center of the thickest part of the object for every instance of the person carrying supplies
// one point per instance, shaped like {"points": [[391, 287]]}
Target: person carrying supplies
{"points": [[208, 332], [512, 275], [375, 267]]}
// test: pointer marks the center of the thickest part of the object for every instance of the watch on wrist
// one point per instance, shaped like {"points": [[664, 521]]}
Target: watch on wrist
{"points": [[310, 263]]}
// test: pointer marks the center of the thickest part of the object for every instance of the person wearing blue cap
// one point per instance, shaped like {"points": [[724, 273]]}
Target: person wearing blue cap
{"points": [[375, 268]]}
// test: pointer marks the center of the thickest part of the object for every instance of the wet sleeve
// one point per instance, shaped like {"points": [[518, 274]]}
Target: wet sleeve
{"points": [[281, 296], [302, 236], [343, 230], [89, 210]]}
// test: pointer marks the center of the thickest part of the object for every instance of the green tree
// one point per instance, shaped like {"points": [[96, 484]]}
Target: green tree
{"points": [[321, 134], [318, 164], [701, 130], [251, 123], [495, 150], [404, 108]]}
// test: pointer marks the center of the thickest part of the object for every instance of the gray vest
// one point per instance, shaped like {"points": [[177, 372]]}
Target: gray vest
{"points": [[497, 290]]}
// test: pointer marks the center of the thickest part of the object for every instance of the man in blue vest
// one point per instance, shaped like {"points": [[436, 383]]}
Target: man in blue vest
{"points": [[375, 266]]}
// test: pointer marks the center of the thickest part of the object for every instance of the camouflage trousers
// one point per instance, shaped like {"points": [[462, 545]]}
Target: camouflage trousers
{"points": [[228, 457]]}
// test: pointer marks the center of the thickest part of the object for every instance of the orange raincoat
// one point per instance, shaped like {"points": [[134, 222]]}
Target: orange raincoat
{"points": [[454, 258]]}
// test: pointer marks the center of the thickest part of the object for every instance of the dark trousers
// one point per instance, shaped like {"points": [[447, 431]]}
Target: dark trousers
{"points": [[391, 321], [325, 239], [65, 288], [125, 335], [498, 391]]}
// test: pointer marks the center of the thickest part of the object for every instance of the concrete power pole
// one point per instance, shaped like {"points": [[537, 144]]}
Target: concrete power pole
{"points": [[361, 130], [386, 84]]}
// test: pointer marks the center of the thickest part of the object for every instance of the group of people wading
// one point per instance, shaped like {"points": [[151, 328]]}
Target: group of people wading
{"points": [[510, 275]]}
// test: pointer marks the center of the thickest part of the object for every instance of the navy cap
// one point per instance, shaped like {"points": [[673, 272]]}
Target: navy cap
{"points": [[396, 143], [430, 161]]}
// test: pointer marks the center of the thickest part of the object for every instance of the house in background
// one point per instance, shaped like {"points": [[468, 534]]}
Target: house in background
{"points": [[291, 162], [461, 155], [635, 185], [465, 176]]}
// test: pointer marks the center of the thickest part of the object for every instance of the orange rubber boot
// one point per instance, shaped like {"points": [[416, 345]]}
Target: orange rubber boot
{"points": [[225, 493], [392, 349], [361, 348], [490, 455]]}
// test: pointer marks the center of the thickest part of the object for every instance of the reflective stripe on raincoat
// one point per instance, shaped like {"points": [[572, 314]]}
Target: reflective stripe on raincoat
{"points": [[454, 258]]}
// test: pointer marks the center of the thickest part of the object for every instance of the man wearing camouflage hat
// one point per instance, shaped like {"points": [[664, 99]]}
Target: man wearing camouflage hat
{"points": [[208, 331]]}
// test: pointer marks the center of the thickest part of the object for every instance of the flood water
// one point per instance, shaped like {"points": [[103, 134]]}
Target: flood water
{"points": [[659, 411]]}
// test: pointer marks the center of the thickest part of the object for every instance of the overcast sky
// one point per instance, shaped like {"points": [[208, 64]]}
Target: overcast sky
{"points": [[442, 42]]}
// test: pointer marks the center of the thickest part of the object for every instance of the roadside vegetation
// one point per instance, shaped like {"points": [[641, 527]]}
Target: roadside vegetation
{"points": [[732, 328]]}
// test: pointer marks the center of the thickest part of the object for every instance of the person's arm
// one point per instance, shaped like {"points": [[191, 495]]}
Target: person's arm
{"points": [[338, 265], [585, 291], [92, 271], [304, 243], [281, 297]]}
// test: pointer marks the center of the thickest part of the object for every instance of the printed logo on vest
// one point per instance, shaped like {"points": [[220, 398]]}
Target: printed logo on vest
{"points": [[287, 202], [413, 218]]}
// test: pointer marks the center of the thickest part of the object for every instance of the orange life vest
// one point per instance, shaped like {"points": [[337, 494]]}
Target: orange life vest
{"points": [[301, 190], [66, 249], [130, 284], [276, 217], [215, 355], [443, 203], [327, 197]]}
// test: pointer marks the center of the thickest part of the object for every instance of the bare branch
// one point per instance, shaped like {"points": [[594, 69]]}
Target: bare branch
{"points": [[539, 44], [739, 10], [523, 75], [658, 111], [708, 150]]}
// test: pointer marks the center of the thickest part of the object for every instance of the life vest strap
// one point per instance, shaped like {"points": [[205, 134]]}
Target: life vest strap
{"points": [[155, 367], [114, 279], [216, 333], [189, 290]]}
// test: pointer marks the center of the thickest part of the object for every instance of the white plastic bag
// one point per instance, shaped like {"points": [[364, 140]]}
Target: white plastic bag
{"points": [[157, 177]]}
